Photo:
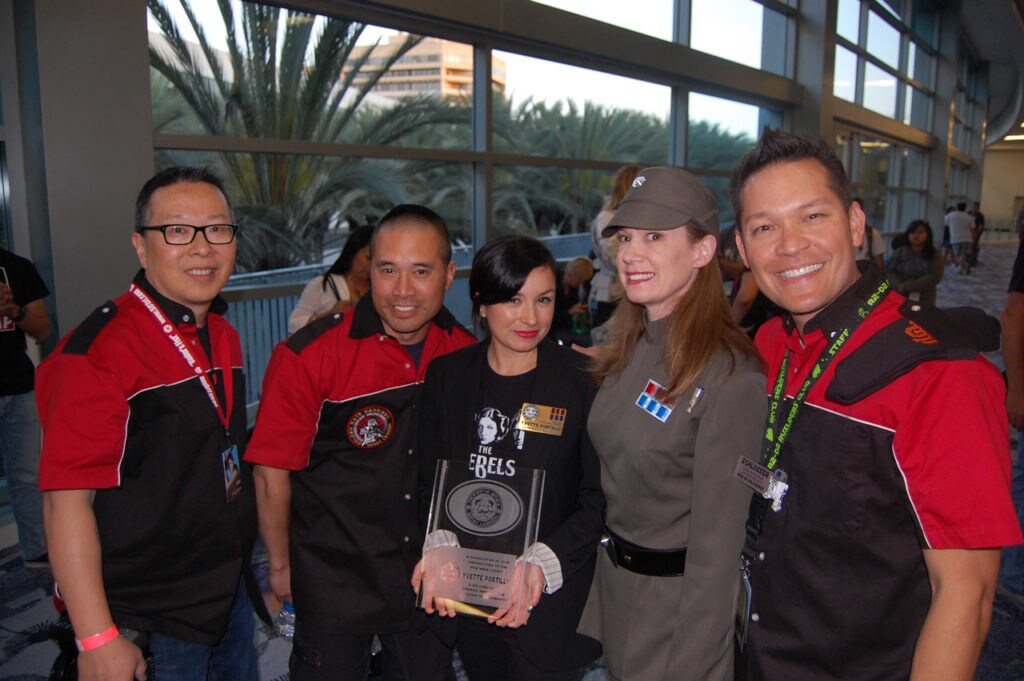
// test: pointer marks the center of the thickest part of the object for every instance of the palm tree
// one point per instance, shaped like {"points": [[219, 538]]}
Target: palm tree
{"points": [[288, 75]]}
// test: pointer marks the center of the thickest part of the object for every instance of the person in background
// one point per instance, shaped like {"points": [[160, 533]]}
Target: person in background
{"points": [[681, 400], [512, 286], [1011, 570], [750, 307], [336, 457], [916, 268], [142, 407], [22, 314], [979, 229], [879, 561], [873, 248], [341, 286], [961, 234], [571, 322], [604, 287]]}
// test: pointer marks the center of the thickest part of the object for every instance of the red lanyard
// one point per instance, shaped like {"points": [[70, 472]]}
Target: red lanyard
{"points": [[197, 361]]}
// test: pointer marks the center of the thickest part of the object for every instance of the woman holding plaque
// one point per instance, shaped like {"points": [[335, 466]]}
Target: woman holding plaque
{"points": [[512, 403], [682, 397]]}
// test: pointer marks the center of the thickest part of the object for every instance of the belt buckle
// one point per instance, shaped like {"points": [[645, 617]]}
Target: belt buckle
{"points": [[609, 545]]}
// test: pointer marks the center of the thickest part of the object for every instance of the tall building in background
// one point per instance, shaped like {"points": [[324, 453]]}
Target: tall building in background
{"points": [[433, 66]]}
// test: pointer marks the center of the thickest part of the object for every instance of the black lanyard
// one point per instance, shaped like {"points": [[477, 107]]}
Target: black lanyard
{"points": [[774, 436]]}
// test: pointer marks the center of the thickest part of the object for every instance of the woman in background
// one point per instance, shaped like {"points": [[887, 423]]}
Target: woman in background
{"points": [[682, 398], [515, 374], [338, 289], [916, 268], [604, 289]]}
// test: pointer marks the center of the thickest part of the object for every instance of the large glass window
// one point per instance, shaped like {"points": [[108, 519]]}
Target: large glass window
{"points": [[879, 91], [883, 40], [603, 117], [327, 80], [730, 29], [883, 66], [845, 75], [655, 19], [721, 131], [848, 20]]}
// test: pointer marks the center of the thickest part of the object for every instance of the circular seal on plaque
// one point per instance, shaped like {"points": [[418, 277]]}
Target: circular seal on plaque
{"points": [[370, 427], [484, 507]]}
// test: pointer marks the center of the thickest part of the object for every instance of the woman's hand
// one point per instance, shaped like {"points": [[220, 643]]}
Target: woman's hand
{"points": [[424, 576], [527, 585]]}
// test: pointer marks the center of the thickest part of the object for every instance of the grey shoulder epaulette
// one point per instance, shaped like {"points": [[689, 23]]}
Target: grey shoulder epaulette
{"points": [[923, 333]]}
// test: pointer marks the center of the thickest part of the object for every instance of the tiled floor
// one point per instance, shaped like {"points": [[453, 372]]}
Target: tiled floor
{"points": [[26, 611]]}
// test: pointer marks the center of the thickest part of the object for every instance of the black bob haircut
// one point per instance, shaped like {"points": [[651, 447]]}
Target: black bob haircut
{"points": [[412, 211], [174, 175], [501, 268]]}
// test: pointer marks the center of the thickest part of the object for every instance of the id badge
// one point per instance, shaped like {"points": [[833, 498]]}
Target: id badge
{"points": [[232, 473], [537, 418], [743, 608]]}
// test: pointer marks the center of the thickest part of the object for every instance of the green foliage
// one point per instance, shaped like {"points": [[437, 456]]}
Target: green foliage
{"points": [[290, 76], [284, 77]]}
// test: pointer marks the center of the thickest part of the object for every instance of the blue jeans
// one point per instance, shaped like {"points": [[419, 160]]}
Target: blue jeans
{"points": [[233, 658], [19, 446], [1011, 571]]}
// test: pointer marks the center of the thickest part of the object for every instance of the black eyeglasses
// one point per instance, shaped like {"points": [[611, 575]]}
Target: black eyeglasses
{"points": [[182, 235]]}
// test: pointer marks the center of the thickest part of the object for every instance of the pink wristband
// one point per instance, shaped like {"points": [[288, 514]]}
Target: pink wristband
{"points": [[96, 640]]}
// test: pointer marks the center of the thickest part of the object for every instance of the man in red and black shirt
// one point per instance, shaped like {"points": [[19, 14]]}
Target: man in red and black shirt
{"points": [[336, 463], [879, 563], [144, 417]]}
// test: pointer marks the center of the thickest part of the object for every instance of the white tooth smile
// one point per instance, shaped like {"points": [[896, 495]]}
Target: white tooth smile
{"points": [[640, 277], [800, 271], [405, 308], [201, 273]]}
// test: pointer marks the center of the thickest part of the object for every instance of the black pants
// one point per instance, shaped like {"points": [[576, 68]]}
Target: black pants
{"points": [[337, 656], [490, 653]]}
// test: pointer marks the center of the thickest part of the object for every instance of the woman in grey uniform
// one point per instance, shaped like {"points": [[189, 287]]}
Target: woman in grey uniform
{"points": [[682, 398]]}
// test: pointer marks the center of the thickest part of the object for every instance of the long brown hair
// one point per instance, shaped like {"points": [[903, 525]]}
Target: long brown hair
{"points": [[621, 183], [699, 326]]}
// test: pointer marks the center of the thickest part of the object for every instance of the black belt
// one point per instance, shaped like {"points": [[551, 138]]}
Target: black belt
{"points": [[643, 561]]}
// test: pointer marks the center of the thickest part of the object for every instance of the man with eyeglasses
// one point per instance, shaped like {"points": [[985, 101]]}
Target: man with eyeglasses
{"points": [[143, 414]]}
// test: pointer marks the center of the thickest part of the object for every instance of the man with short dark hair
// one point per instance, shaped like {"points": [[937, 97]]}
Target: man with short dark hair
{"points": [[149, 520], [22, 314], [335, 459], [873, 549]]}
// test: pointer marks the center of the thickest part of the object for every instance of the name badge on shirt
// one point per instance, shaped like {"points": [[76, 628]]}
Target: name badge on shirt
{"points": [[654, 400], [768, 483], [232, 473], [536, 418]]}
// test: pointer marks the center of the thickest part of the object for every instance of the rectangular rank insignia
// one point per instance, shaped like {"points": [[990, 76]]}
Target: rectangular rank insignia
{"points": [[536, 418], [654, 400]]}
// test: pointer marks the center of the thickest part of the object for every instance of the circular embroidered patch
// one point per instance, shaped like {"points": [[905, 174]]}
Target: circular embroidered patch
{"points": [[370, 427]]}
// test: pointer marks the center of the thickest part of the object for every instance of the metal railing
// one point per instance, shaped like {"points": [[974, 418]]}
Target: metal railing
{"points": [[260, 303]]}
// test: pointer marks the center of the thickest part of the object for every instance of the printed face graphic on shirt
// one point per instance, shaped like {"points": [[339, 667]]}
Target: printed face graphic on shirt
{"points": [[491, 426]]}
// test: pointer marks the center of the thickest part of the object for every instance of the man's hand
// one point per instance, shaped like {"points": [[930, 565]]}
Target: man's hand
{"points": [[119, 660], [281, 582]]}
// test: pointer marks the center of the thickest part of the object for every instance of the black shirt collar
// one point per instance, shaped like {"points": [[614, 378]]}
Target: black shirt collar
{"points": [[836, 316], [366, 322], [180, 314]]}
